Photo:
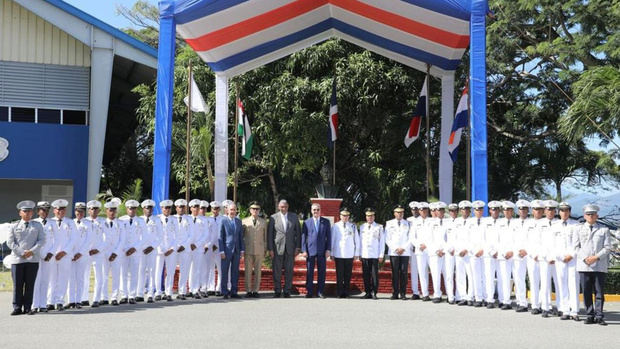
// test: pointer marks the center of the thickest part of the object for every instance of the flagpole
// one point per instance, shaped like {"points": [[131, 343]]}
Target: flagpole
{"points": [[236, 144], [428, 133], [188, 135], [468, 145]]}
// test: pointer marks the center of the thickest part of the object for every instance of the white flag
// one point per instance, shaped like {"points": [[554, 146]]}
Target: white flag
{"points": [[198, 103]]}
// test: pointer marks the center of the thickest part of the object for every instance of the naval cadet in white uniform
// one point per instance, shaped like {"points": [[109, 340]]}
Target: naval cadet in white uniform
{"points": [[397, 239], [345, 248], [372, 244]]}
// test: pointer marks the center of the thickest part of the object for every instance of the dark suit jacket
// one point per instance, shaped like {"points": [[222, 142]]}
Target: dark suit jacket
{"points": [[323, 240], [279, 240], [231, 237]]}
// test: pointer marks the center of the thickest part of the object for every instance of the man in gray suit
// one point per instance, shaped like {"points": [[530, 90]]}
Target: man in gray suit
{"points": [[592, 243], [25, 240], [284, 243]]}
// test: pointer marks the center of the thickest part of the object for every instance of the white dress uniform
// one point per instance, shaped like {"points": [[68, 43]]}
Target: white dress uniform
{"points": [[413, 265], [198, 227], [548, 255], [520, 229], [184, 239], [533, 265], [64, 232], [130, 268], [168, 241], [449, 259], [397, 236], [476, 228], [462, 242], [98, 261], [504, 264], [114, 243], [372, 240], [83, 243], [420, 234], [491, 242], [214, 259], [151, 236], [43, 282], [345, 240], [437, 228], [568, 277]]}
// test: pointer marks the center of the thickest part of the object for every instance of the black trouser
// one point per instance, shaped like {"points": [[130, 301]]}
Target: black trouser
{"points": [[344, 269], [400, 264], [24, 275], [589, 281], [287, 261], [370, 270]]}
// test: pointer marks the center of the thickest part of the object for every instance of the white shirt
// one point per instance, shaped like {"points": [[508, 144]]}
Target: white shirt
{"points": [[476, 228], [284, 220], [547, 238], [84, 237], [564, 238], [113, 237], [168, 237], [152, 234], [97, 242], [397, 236], [345, 240], [491, 236], [372, 240], [419, 234], [134, 234], [63, 235]]}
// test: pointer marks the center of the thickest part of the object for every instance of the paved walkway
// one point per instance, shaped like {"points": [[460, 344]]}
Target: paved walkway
{"points": [[298, 322]]}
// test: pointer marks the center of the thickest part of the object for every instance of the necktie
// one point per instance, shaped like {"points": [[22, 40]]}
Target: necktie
{"points": [[59, 222], [111, 224], [130, 221], [564, 223], [254, 221], [398, 223], [215, 219], [508, 222], [549, 223], [194, 220], [494, 221], [26, 223], [316, 225], [44, 221], [591, 228], [478, 221], [78, 222], [147, 220], [166, 220], [440, 222], [180, 219]]}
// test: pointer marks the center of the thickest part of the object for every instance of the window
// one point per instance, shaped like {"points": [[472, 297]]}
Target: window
{"points": [[4, 113], [74, 117], [22, 114], [48, 116]]}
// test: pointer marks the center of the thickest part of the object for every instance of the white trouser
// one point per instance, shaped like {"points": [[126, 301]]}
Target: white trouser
{"points": [[203, 277], [477, 273], [76, 281], [436, 265], [129, 275], [101, 277], [519, 268], [214, 260], [113, 268], [533, 274], [170, 264], [195, 269], [63, 271], [89, 262], [413, 266], [184, 259], [463, 273], [504, 269], [547, 271], [422, 264], [568, 284], [146, 274], [448, 275], [490, 266], [42, 284]]}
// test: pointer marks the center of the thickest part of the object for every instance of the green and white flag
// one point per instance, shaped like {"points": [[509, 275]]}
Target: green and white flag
{"points": [[244, 130]]}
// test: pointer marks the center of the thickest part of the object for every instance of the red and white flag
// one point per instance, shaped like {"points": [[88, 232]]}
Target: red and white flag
{"points": [[413, 132], [333, 116]]}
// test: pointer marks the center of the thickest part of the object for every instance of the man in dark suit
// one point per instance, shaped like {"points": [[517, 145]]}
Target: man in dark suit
{"points": [[316, 243], [232, 248], [283, 243]]}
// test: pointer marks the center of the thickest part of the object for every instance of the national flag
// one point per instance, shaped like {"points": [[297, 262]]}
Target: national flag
{"points": [[413, 132], [461, 119], [198, 103], [333, 116], [245, 132]]}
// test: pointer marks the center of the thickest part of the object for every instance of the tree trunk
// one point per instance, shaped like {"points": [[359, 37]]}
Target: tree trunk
{"points": [[210, 177], [558, 190], [274, 189]]}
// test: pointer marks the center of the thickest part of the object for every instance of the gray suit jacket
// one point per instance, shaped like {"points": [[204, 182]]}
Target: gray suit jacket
{"points": [[279, 240], [22, 239], [595, 242]]}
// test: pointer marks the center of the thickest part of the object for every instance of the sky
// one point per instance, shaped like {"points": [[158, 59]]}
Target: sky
{"points": [[105, 10]]}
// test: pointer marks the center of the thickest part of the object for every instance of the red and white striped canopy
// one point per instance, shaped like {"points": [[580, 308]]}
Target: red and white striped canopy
{"points": [[235, 36]]}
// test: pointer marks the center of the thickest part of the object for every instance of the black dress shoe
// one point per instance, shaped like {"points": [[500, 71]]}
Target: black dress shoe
{"points": [[205, 295], [104, 302], [564, 317], [149, 300], [190, 295], [256, 295], [366, 295], [415, 297], [248, 295], [477, 304], [16, 312], [576, 318], [536, 311], [436, 300], [197, 296], [589, 321], [78, 306], [394, 296], [601, 322], [470, 303], [287, 295], [490, 305], [218, 294], [426, 299], [43, 310], [277, 295], [123, 301], [403, 297], [59, 307], [181, 297], [506, 307], [30, 312], [139, 299], [157, 298], [132, 301], [95, 305], [50, 307], [545, 314], [114, 302], [452, 302], [484, 303], [308, 295], [322, 296], [234, 295], [85, 303], [210, 293], [374, 296], [226, 296], [521, 309], [462, 302], [169, 298]]}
